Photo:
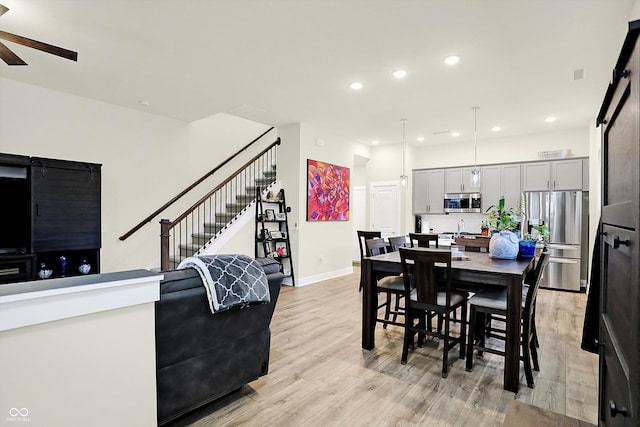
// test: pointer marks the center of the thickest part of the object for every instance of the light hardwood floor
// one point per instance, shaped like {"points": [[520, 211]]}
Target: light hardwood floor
{"points": [[320, 376]]}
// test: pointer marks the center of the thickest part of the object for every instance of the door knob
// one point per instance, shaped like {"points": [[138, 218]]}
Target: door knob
{"points": [[615, 410]]}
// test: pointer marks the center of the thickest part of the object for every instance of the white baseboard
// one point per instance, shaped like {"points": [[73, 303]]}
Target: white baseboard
{"points": [[324, 276]]}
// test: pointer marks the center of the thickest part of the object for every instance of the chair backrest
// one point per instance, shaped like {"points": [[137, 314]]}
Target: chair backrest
{"points": [[473, 245], [533, 280], [376, 247], [362, 237], [423, 240], [397, 242], [425, 276]]}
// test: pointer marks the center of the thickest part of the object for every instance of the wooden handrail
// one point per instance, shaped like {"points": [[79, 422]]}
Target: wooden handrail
{"points": [[191, 187], [222, 184]]}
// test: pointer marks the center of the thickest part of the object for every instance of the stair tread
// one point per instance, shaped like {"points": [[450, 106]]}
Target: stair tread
{"points": [[201, 234]]}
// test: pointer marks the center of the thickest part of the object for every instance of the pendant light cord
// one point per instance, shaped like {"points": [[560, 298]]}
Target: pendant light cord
{"points": [[475, 137], [404, 147]]}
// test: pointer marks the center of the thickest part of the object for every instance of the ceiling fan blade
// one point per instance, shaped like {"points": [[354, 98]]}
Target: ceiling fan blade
{"points": [[3, 9], [54, 50], [9, 57]]}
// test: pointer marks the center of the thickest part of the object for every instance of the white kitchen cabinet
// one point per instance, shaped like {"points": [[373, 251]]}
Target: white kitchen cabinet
{"points": [[511, 186], [458, 180], [567, 175], [491, 179], [428, 191], [420, 188], [557, 175], [536, 176], [498, 181]]}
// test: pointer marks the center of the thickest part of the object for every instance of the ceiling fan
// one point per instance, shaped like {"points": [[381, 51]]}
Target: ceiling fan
{"points": [[12, 59]]}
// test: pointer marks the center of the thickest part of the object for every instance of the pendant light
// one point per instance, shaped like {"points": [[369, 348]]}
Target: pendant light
{"points": [[475, 172], [403, 177]]}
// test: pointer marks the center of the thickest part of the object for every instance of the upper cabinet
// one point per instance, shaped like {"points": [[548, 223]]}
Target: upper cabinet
{"points": [[491, 179], [498, 181], [536, 176], [567, 174], [428, 191], [511, 185], [553, 176], [458, 180]]}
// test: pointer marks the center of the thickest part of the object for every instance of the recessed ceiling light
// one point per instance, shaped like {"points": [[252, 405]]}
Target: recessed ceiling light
{"points": [[550, 119], [399, 74], [455, 134], [375, 142], [451, 60], [496, 128], [420, 138], [356, 85]]}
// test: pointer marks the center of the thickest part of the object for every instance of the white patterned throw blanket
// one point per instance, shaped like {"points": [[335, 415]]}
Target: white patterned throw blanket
{"points": [[231, 281]]}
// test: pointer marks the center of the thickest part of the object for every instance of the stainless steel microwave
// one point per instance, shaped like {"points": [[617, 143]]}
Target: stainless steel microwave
{"points": [[462, 202]]}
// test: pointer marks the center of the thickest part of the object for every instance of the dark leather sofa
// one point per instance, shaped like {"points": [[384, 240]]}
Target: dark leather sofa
{"points": [[202, 356]]}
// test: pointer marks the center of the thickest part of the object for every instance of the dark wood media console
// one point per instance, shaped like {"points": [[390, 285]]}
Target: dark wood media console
{"points": [[51, 209]]}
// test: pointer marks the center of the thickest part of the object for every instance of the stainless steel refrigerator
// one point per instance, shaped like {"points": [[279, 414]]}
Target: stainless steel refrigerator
{"points": [[564, 212]]}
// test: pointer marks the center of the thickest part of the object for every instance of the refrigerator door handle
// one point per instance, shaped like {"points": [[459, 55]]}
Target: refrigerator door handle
{"points": [[564, 260], [564, 247]]}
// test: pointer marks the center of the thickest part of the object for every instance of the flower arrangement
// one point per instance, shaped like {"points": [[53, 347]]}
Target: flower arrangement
{"points": [[503, 222]]}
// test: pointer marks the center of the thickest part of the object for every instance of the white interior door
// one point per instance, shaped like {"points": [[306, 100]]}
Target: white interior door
{"points": [[385, 208], [358, 216]]}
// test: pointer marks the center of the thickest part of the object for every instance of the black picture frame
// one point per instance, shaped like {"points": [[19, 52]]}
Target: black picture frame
{"points": [[270, 214]]}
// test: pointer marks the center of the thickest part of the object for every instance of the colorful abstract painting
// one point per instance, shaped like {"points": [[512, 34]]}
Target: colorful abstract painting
{"points": [[327, 192]]}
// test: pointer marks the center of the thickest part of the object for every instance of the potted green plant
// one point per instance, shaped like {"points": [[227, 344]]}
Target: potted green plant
{"points": [[530, 240], [502, 223]]}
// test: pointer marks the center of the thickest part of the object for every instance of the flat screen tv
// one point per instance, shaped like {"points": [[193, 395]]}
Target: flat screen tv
{"points": [[15, 209]]}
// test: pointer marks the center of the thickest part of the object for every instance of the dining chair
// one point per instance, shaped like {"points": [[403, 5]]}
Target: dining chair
{"points": [[480, 244], [390, 285], [397, 241], [430, 292], [494, 302], [423, 240], [362, 238]]}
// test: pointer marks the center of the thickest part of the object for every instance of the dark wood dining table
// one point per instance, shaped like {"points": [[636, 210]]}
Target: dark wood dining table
{"points": [[478, 271]]}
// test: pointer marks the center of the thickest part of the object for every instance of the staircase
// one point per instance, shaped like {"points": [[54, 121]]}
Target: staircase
{"points": [[210, 216], [227, 212]]}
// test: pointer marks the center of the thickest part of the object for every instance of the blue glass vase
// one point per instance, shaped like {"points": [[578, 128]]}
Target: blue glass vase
{"points": [[527, 248]]}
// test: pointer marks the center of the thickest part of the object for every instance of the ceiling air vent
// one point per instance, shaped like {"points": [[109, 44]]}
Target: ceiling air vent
{"points": [[245, 110]]}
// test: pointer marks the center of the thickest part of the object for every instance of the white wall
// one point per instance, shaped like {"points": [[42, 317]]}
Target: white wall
{"points": [[386, 160], [96, 369], [146, 159], [321, 249], [503, 150]]}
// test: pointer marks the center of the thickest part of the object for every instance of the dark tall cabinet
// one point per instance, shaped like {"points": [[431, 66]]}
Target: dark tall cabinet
{"points": [[52, 209], [619, 119]]}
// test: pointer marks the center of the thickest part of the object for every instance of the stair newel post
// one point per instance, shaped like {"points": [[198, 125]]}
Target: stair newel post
{"points": [[165, 234]]}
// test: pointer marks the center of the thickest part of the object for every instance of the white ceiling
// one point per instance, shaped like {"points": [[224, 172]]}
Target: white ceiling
{"points": [[286, 61]]}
